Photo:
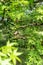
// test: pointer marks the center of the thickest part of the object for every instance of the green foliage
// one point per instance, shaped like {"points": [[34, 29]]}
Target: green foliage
{"points": [[21, 22], [9, 54]]}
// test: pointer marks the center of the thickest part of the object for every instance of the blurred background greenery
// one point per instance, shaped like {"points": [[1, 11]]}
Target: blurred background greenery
{"points": [[21, 32]]}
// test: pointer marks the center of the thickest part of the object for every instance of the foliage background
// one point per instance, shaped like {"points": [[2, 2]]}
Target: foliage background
{"points": [[21, 22]]}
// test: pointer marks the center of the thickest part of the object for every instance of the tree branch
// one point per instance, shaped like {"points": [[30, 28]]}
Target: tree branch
{"points": [[34, 24]]}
